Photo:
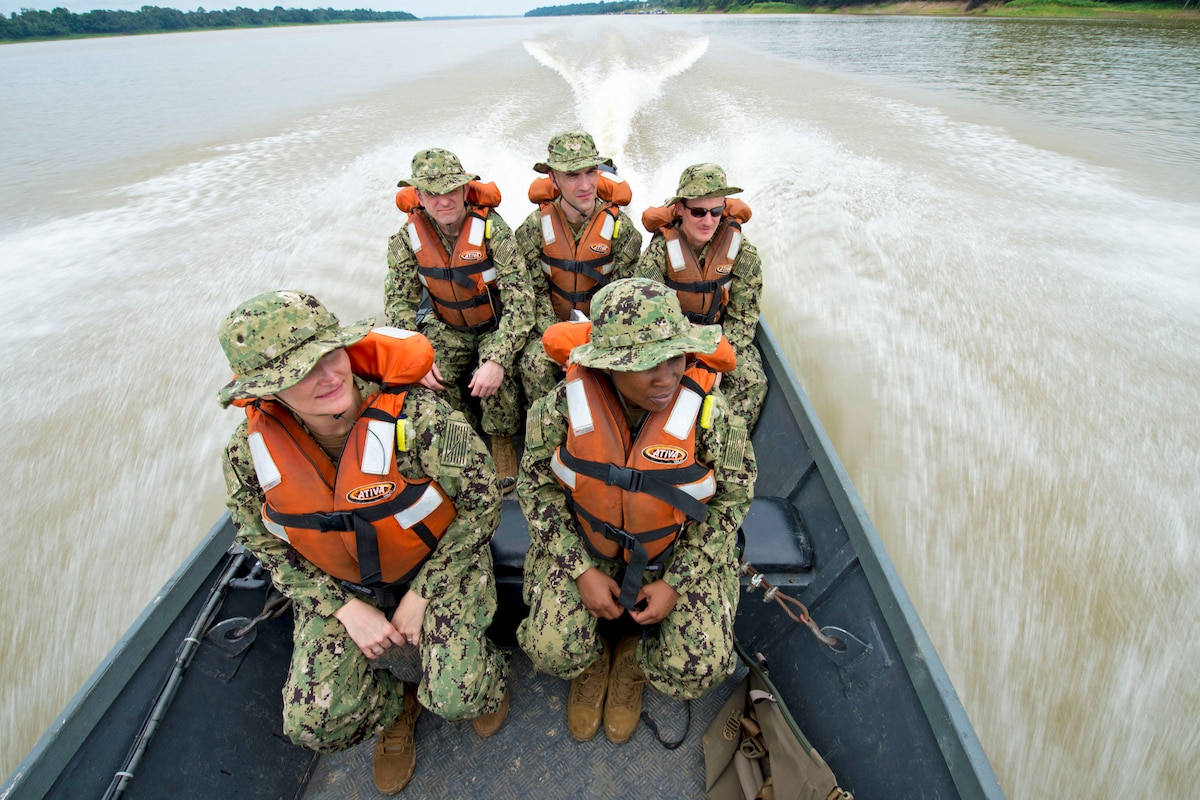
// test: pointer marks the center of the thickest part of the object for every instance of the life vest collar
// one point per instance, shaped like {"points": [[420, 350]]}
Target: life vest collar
{"points": [[609, 188]]}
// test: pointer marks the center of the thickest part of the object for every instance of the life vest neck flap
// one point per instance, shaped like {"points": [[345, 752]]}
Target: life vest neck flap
{"points": [[609, 189], [391, 356], [658, 217], [483, 195]]}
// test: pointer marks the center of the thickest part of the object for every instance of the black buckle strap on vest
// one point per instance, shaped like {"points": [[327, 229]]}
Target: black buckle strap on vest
{"points": [[574, 298], [656, 483], [361, 522], [481, 299], [715, 309], [589, 267], [462, 275], [638, 560], [386, 597], [639, 564]]}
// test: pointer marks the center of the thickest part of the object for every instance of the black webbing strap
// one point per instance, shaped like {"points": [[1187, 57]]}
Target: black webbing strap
{"points": [[589, 267], [361, 522], [703, 287], [481, 299], [636, 480], [463, 275], [639, 560], [578, 297], [654, 727]]}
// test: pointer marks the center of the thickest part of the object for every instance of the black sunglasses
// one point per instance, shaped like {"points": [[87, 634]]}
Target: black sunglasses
{"points": [[699, 213]]}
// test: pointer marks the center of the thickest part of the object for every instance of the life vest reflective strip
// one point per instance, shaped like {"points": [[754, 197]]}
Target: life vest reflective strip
{"points": [[462, 284], [577, 270], [361, 521], [702, 289], [632, 497]]}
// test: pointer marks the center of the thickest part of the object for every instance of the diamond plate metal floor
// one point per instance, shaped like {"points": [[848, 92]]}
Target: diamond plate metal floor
{"points": [[534, 756]]}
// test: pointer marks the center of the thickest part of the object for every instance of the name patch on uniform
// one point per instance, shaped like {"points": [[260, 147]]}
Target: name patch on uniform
{"points": [[664, 454], [456, 447], [371, 493]]}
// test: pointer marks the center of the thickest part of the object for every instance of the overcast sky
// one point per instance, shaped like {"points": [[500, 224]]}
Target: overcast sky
{"points": [[421, 8]]}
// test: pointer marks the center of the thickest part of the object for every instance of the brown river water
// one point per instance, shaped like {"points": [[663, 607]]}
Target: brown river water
{"points": [[980, 242]]}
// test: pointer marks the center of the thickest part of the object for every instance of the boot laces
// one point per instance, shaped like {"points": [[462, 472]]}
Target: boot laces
{"points": [[629, 681], [591, 684], [397, 738]]}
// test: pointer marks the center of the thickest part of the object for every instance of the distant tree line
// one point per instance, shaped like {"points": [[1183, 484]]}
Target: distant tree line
{"points": [[580, 9], [761, 5], [33, 24]]}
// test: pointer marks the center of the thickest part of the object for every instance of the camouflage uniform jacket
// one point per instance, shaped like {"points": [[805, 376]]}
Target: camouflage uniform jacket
{"points": [[444, 448], [402, 291], [529, 243], [745, 291], [700, 547]]}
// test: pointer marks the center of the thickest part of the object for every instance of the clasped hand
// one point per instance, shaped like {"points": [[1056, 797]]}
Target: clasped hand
{"points": [[374, 633]]}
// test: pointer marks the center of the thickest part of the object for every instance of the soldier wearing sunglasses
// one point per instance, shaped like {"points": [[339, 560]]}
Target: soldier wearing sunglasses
{"points": [[698, 250]]}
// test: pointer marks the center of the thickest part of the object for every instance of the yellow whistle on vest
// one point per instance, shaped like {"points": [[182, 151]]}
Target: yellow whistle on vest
{"points": [[402, 435], [706, 412]]}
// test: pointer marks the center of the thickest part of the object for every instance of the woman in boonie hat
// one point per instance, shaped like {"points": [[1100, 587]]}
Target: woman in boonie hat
{"points": [[635, 480], [324, 457]]}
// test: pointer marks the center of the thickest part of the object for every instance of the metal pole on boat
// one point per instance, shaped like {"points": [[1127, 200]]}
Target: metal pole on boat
{"points": [[121, 779]]}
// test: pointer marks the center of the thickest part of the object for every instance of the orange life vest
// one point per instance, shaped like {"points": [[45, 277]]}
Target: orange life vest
{"points": [[462, 284], [576, 271], [360, 521], [702, 288], [631, 494]]}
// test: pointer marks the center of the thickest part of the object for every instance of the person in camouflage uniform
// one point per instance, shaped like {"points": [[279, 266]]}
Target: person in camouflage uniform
{"points": [[288, 352], [573, 165], [489, 354], [703, 188], [686, 603]]}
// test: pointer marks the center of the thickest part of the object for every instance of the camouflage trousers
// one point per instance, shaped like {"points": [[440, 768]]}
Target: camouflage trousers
{"points": [[457, 356], [687, 654], [335, 698], [745, 388], [539, 373]]}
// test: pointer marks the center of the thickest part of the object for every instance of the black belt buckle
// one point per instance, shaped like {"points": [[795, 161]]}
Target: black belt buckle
{"points": [[334, 521], [624, 478], [623, 539]]}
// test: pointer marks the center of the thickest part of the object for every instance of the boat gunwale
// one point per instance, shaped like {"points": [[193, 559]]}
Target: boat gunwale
{"points": [[969, 766], [54, 749]]}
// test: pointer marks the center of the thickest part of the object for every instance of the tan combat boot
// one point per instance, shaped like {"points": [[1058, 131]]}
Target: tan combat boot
{"points": [[395, 758], [624, 705], [487, 724], [505, 458], [585, 703]]}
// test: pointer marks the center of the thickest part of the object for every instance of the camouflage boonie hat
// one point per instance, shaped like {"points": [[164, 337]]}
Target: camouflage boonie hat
{"points": [[437, 171], [272, 341], [570, 151], [637, 324], [700, 181]]}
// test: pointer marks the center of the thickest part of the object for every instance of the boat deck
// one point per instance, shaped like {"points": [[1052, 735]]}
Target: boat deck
{"points": [[534, 755]]}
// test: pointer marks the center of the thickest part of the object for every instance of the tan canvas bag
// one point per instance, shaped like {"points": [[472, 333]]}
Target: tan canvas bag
{"points": [[754, 751]]}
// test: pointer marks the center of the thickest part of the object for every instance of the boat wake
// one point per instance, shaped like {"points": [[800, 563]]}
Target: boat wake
{"points": [[607, 101]]}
